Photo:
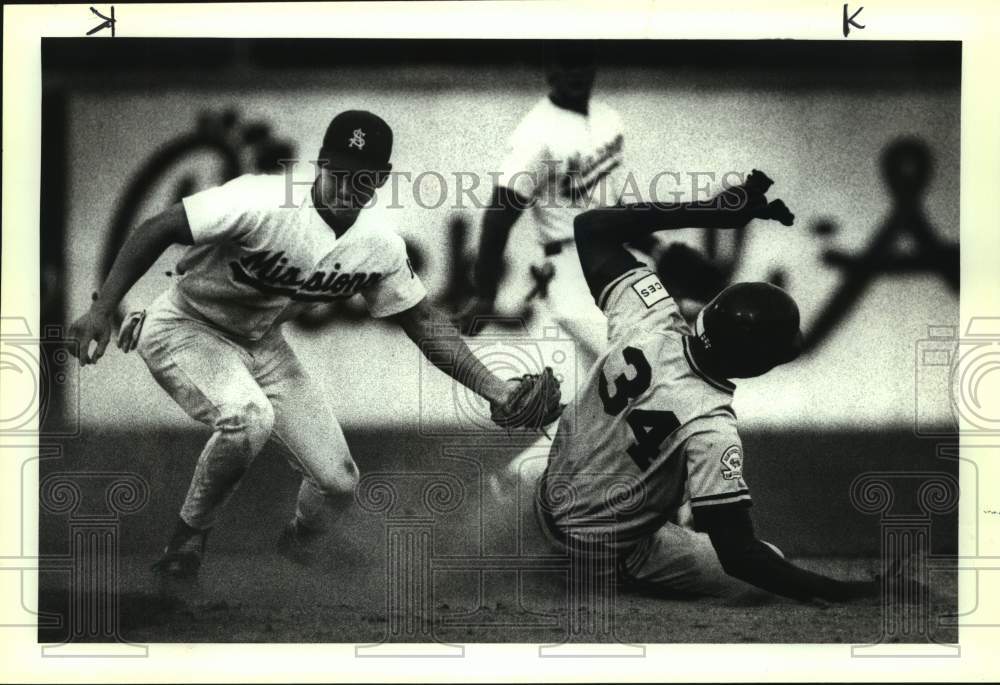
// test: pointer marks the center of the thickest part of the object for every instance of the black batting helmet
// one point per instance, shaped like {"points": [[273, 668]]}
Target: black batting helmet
{"points": [[749, 328]]}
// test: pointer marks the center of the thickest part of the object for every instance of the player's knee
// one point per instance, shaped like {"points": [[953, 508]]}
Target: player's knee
{"points": [[338, 483], [252, 420]]}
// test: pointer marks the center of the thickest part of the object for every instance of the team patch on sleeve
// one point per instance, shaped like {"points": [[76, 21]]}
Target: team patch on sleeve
{"points": [[715, 478], [732, 463], [650, 290]]}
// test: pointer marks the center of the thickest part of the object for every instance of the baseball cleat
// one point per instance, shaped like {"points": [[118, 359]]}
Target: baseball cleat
{"points": [[297, 544], [778, 211], [178, 564], [177, 573], [758, 182], [178, 568]]}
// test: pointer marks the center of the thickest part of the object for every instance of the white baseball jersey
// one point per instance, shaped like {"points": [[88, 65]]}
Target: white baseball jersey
{"points": [[649, 427], [262, 254], [563, 161]]}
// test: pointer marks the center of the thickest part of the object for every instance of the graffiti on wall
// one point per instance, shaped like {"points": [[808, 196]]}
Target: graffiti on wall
{"points": [[905, 243]]}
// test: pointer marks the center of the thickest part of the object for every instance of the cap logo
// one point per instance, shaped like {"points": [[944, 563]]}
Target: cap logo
{"points": [[357, 140]]}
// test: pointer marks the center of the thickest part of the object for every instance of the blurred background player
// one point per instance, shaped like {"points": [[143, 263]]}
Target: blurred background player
{"points": [[564, 157], [261, 248]]}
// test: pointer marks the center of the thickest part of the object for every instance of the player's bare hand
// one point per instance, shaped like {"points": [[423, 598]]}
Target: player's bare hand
{"points": [[94, 327], [474, 316], [511, 388]]}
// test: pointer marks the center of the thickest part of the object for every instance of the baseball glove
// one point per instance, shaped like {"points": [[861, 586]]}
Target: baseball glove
{"points": [[534, 403]]}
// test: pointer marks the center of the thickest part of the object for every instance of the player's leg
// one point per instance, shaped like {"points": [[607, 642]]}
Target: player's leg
{"points": [[313, 441], [678, 561], [510, 508], [524, 470], [207, 375], [511, 490]]}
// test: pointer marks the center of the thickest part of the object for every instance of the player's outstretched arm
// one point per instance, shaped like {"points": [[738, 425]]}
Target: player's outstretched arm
{"points": [[506, 206], [142, 248], [601, 233], [439, 341], [745, 557], [732, 208]]}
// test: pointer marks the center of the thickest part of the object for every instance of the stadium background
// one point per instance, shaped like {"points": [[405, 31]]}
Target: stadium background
{"points": [[814, 118]]}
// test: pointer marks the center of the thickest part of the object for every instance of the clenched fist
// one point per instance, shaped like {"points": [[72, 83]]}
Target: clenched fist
{"points": [[93, 326]]}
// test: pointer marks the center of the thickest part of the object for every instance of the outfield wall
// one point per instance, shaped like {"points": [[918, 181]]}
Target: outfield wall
{"points": [[820, 143]]}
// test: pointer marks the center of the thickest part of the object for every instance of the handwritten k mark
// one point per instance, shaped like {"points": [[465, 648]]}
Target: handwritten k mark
{"points": [[849, 20], [108, 23]]}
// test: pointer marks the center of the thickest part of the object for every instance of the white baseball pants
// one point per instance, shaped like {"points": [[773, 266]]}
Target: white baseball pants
{"points": [[249, 393], [675, 560]]}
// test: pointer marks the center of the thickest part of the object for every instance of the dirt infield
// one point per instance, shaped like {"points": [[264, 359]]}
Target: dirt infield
{"points": [[263, 598], [249, 594]]}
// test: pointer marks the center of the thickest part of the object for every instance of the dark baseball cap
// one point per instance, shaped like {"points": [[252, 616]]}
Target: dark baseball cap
{"points": [[356, 140]]}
